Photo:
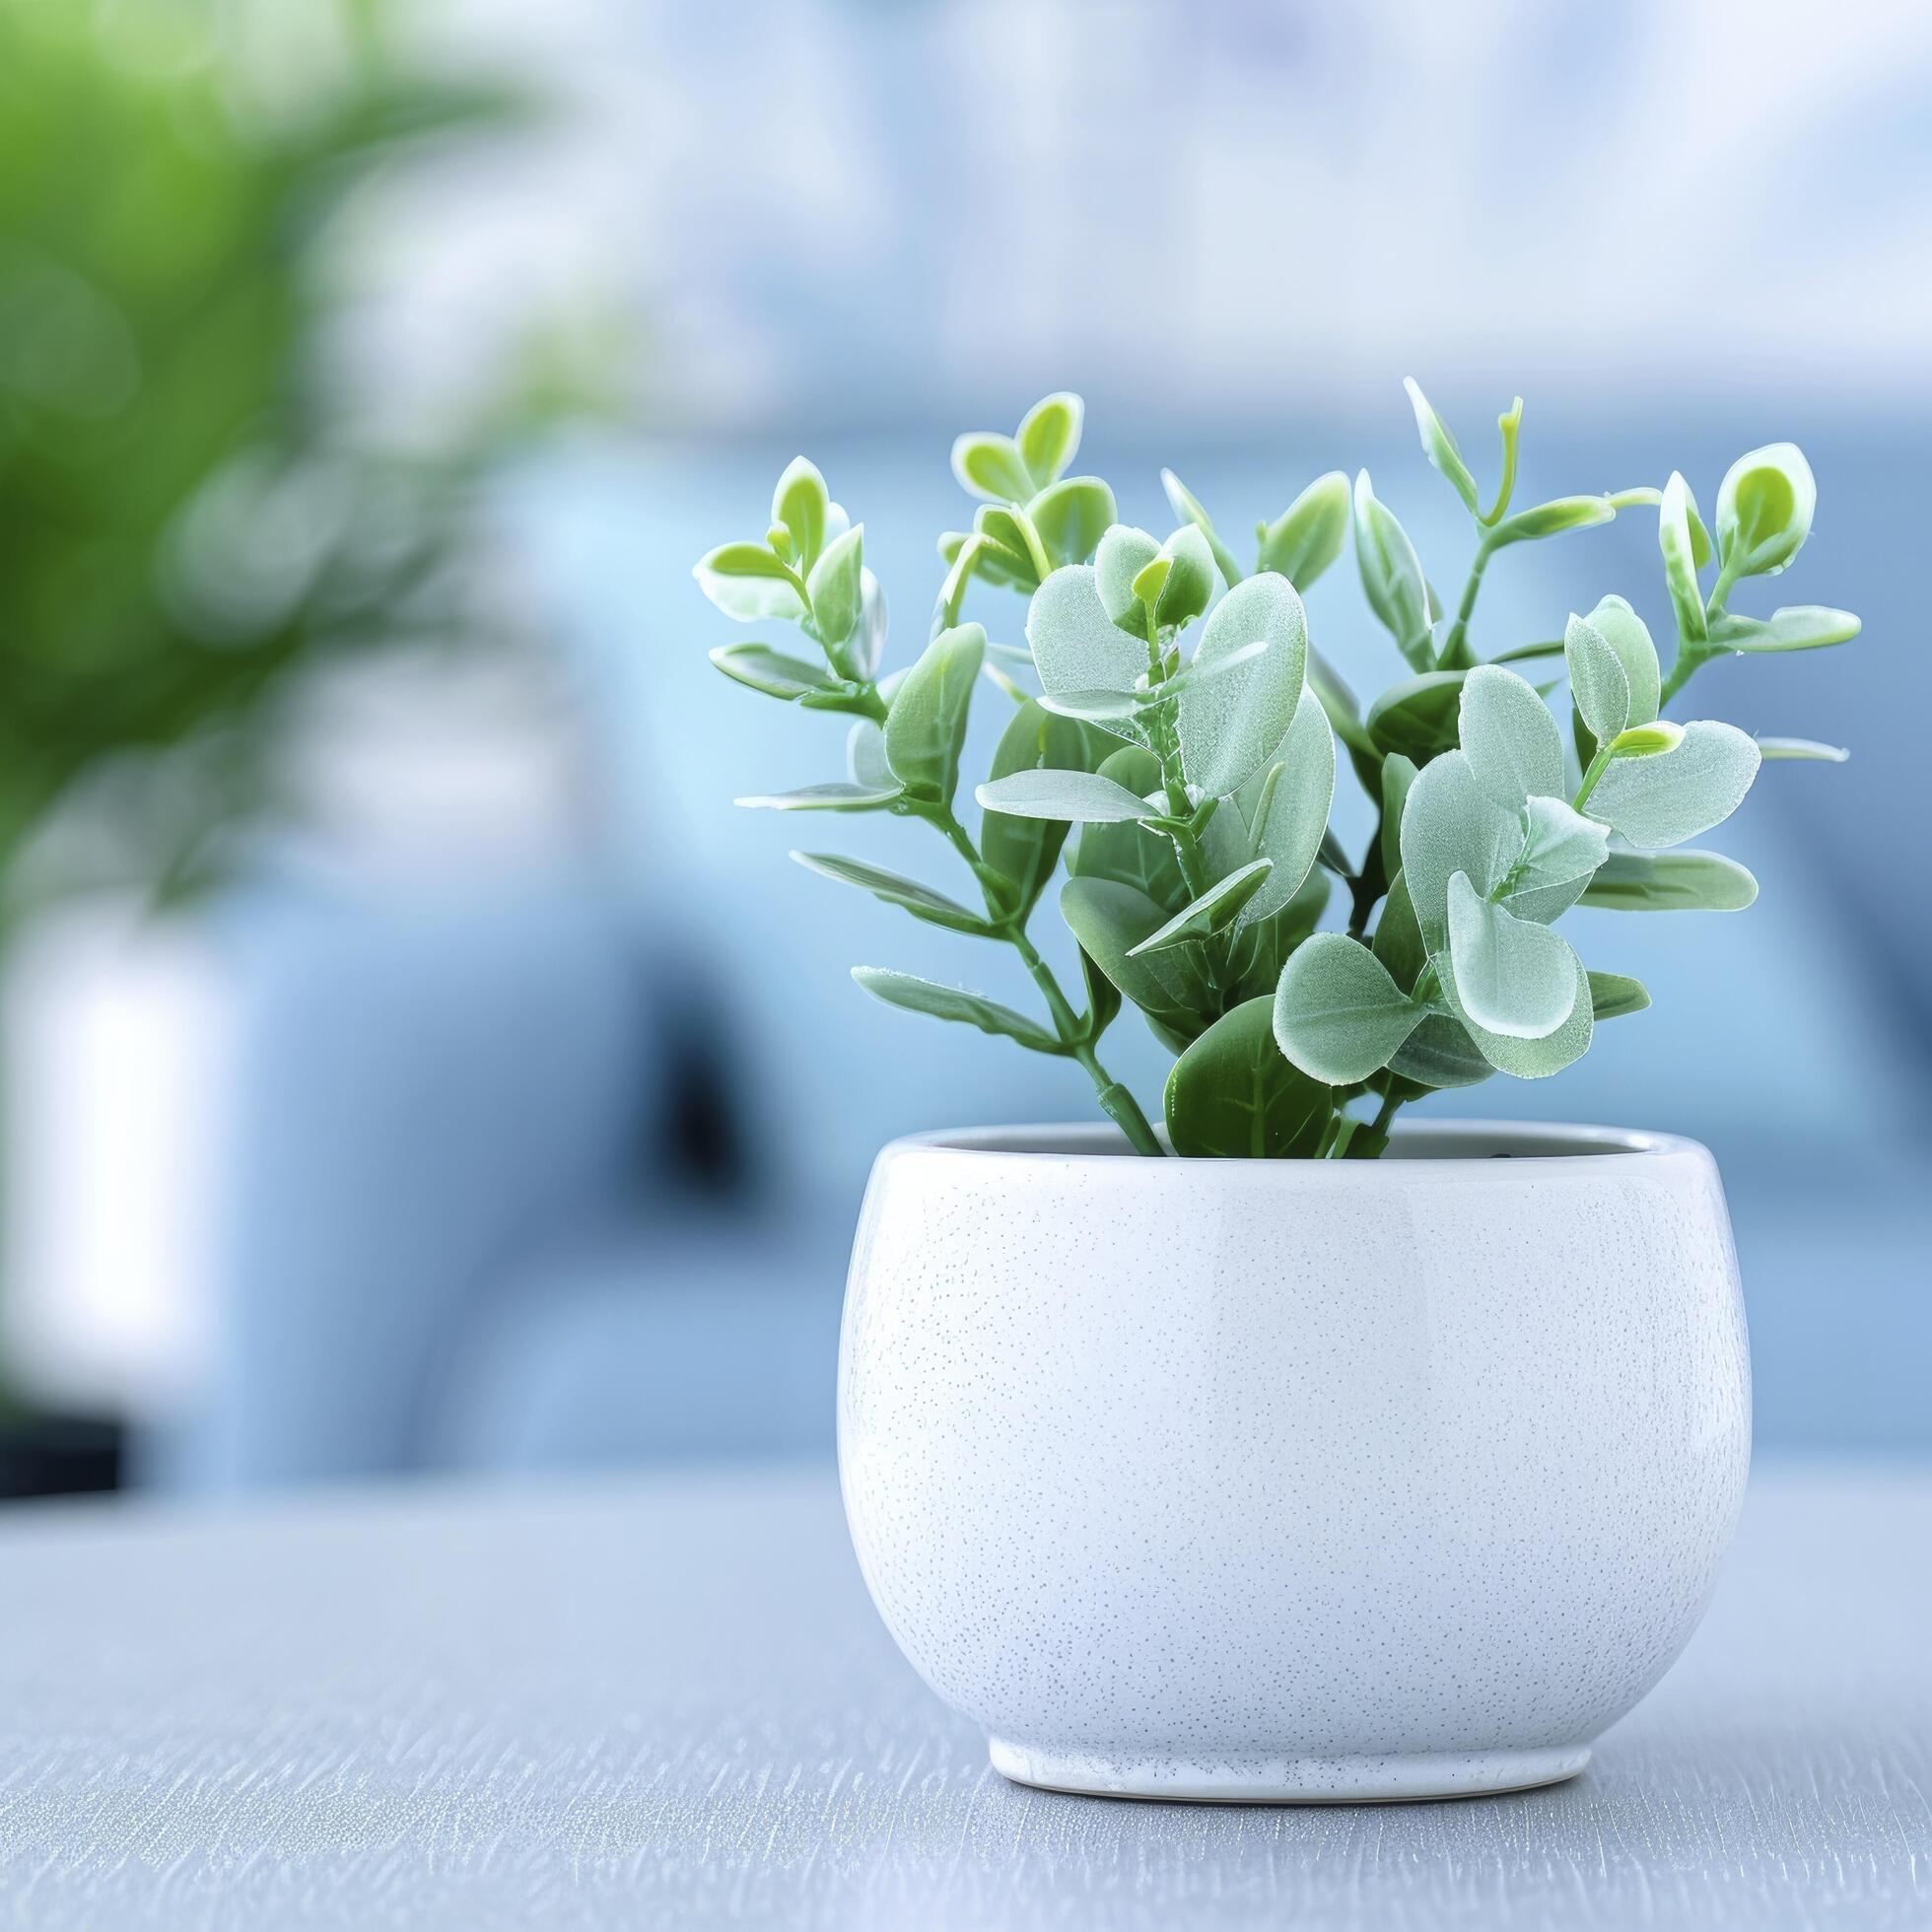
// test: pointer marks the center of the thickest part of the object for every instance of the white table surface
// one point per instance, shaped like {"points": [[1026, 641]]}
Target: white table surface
{"points": [[667, 1701]]}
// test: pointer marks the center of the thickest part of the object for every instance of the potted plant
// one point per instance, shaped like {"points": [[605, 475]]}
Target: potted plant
{"points": [[1289, 1453]]}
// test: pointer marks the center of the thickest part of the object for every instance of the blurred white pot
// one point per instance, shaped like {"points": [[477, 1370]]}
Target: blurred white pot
{"points": [[1279, 1480]]}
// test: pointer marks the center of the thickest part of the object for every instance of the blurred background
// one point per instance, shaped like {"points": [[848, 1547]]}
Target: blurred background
{"points": [[410, 1060]]}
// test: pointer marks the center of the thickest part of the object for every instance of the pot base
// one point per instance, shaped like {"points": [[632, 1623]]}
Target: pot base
{"points": [[1290, 1780]]}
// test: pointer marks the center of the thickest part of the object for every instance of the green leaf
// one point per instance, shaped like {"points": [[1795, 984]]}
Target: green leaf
{"points": [[1307, 537], [747, 583], [836, 588], [771, 672], [1451, 825], [953, 1002], [1513, 747], [1676, 519], [866, 764], [1764, 510], [1671, 882], [927, 724], [1023, 851], [1262, 946], [800, 503], [1232, 1096], [1417, 717], [1213, 911], [1392, 576], [1077, 646], [1109, 918], [1079, 798], [1337, 1014], [1526, 1060], [1229, 723], [1187, 508], [1674, 795], [839, 797], [1128, 852], [1291, 813], [1625, 632], [1071, 518], [1548, 647], [1439, 446], [1050, 437], [1516, 978], [992, 562], [991, 467], [923, 903], [1398, 940], [1795, 627], [1611, 995], [1804, 748], [1598, 685], [1553, 518], [1646, 740], [1398, 775], [1441, 1053], [1562, 852]]}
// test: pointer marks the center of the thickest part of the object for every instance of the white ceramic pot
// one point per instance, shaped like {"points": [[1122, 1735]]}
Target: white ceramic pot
{"points": [[1279, 1480]]}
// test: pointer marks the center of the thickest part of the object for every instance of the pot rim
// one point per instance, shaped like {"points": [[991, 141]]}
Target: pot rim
{"points": [[1548, 1143]]}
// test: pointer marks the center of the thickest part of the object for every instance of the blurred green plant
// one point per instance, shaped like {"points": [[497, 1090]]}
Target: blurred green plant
{"points": [[1201, 783], [185, 515]]}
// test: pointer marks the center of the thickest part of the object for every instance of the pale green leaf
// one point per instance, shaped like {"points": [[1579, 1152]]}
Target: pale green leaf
{"points": [[1417, 717], [1441, 1053], [839, 797], [1077, 646], [1337, 1014], [953, 1002], [1451, 825], [1613, 996], [1562, 852], [1671, 882], [1794, 627], [1674, 795], [1071, 518], [747, 583], [1598, 684], [1079, 798], [927, 724], [1187, 508], [1764, 510], [1023, 851], [1553, 518], [1676, 518], [836, 588], [1109, 918], [1307, 537], [1128, 852], [800, 503], [771, 672], [919, 900], [991, 467], [1439, 446], [1050, 437], [1509, 738], [1229, 723], [866, 764], [1806, 748], [1213, 911], [1392, 575], [1527, 1060], [1625, 633], [1398, 775], [1515, 977], [1292, 816]]}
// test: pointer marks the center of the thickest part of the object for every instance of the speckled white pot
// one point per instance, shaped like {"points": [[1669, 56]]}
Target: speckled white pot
{"points": [[1279, 1480]]}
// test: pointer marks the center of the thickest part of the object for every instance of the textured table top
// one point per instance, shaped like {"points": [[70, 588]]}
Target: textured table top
{"points": [[669, 1702]]}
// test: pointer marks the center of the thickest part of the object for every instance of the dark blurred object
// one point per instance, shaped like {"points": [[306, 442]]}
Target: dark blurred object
{"points": [[185, 513], [57, 1456], [191, 506]]}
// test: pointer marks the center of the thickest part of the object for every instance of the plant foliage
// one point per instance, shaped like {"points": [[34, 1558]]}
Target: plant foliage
{"points": [[1178, 761]]}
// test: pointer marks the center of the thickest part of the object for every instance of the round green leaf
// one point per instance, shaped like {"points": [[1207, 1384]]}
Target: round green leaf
{"points": [[1077, 646], [1232, 1096], [1625, 632], [1418, 717], [1450, 825], [1599, 687], [836, 588], [747, 583], [991, 467], [1516, 977], [1509, 738], [1337, 1014], [1441, 1053], [1079, 798], [1526, 1060], [1229, 723], [1050, 435], [1125, 851], [1764, 510], [1071, 518], [800, 503], [1292, 812], [1307, 537], [1562, 852], [1023, 851], [927, 724], [1674, 795], [1109, 920]]}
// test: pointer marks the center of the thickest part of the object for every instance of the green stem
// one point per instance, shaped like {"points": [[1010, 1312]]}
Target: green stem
{"points": [[1598, 766], [1389, 1102], [1452, 656], [1688, 657], [1116, 1102]]}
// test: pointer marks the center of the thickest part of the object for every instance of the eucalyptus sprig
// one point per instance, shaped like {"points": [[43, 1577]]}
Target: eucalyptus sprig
{"points": [[1202, 775]]}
